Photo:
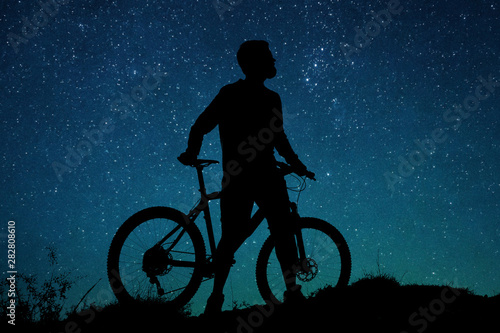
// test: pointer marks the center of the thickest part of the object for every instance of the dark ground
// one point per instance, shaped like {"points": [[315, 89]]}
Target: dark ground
{"points": [[376, 304]]}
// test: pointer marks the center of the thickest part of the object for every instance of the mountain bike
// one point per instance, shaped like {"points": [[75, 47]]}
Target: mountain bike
{"points": [[159, 253]]}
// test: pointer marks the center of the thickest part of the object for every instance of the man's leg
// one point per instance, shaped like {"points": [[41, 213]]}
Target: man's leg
{"points": [[276, 206], [236, 209], [286, 249]]}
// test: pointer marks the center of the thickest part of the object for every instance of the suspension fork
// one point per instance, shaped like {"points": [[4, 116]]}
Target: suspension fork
{"points": [[298, 232], [303, 262]]}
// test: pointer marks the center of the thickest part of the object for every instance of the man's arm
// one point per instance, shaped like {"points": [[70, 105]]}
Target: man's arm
{"points": [[283, 145], [205, 123]]}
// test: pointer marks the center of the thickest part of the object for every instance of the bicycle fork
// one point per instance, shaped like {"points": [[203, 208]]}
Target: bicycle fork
{"points": [[298, 233], [305, 265]]}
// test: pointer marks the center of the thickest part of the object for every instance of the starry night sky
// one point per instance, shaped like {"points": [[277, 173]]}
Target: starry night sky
{"points": [[398, 117]]}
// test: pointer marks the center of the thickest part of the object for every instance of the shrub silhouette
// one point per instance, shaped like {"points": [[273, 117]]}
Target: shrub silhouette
{"points": [[375, 303], [40, 301]]}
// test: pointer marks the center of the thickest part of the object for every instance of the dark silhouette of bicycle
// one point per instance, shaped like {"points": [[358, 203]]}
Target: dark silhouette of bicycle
{"points": [[159, 253]]}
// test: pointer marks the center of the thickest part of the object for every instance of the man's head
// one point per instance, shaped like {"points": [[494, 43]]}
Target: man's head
{"points": [[256, 60]]}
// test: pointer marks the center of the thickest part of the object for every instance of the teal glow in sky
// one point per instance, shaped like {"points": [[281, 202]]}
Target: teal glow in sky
{"points": [[393, 104]]}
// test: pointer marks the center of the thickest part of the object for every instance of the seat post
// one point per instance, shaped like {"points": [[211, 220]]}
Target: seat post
{"points": [[204, 205], [199, 171]]}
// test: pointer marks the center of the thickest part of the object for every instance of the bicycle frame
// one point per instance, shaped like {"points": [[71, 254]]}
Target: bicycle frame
{"points": [[204, 207], [255, 220], [183, 252]]}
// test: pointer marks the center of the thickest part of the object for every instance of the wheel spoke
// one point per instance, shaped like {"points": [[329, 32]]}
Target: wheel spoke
{"points": [[144, 266], [329, 264]]}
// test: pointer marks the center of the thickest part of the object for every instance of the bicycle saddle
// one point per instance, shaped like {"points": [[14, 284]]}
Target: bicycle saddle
{"points": [[204, 163]]}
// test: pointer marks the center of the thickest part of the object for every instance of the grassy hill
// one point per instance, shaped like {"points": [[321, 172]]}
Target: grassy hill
{"points": [[375, 304]]}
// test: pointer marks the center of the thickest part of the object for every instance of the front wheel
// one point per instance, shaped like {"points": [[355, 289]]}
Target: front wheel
{"points": [[327, 262], [156, 255]]}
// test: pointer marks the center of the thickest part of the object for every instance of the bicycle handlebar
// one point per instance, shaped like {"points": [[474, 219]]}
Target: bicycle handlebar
{"points": [[285, 168], [288, 169]]}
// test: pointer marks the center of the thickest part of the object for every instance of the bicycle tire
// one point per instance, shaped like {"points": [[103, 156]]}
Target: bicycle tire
{"points": [[114, 268], [320, 227]]}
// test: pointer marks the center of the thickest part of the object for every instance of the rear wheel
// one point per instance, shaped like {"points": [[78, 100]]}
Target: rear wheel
{"points": [[156, 255], [327, 262]]}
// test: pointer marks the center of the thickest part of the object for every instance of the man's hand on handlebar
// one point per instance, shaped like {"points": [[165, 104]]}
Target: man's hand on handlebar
{"points": [[311, 175], [300, 169], [306, 173]]}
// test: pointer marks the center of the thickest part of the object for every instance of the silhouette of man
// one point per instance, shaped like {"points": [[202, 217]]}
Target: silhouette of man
{"points": [[249, 117]]}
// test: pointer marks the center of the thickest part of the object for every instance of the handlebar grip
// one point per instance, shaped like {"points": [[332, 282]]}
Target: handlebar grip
{"points": [[288, 169], [310, 175]]}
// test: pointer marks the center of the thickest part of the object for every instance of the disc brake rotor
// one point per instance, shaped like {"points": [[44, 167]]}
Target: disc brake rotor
{"points": [[309, 270]]}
